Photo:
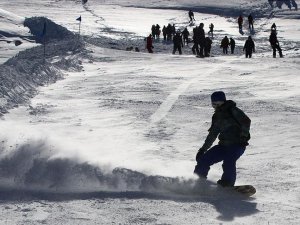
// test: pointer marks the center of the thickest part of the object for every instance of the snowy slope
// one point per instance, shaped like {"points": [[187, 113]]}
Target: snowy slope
{"points": [[115, 140]]}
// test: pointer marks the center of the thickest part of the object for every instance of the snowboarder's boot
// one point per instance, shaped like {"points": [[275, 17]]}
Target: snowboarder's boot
{"points": [[225, 183]]}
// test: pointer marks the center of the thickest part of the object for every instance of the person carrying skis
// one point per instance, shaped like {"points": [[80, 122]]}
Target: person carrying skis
{"points": [[275, 44], [249, 47], [232, 126]]}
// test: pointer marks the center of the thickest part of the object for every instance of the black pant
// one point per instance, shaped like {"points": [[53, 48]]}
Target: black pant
{"points": [[177, 47], [274, 47], [248, 53], [225, 50]]}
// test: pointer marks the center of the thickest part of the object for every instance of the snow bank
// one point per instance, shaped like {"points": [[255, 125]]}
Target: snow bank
{"points": [[21, 75]]}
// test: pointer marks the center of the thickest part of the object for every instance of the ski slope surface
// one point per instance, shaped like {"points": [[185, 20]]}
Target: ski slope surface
{"points": [[91, 133]]}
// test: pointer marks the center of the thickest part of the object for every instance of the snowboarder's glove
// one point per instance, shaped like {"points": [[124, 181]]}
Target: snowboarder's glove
{"points": [[200, 153], [244, 141]]}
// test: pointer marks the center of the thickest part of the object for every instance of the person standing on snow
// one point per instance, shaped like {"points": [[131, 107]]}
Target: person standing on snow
{"points": [[201, 39], [207, 47], [275, 44], [149, 45], [177, 41], [232, 126], [250, 21], [225, 44], [249, 47], [185, 35], [232, 45], [240, 22]]}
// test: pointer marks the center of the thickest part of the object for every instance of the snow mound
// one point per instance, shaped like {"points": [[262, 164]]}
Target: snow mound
{"points": [[21, 75], [52, 30]]}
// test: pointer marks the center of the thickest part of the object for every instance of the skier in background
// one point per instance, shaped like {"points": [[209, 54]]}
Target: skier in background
{"points": [[232, 126]]}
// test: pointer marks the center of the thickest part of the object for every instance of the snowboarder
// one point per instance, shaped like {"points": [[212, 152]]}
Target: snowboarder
{"points": [[250, 21], [211, 30], [225, 44], [149, 45], [275, 44], [232, 126], [249, 47], [191, 15], [232, 45], [177, 41]]}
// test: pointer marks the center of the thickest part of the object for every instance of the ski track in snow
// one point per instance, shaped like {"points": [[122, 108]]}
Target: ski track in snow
{"points": [[149, 113]]}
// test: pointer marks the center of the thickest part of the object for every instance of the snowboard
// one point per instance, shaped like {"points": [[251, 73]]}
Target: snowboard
{"points": [[247, 190]]}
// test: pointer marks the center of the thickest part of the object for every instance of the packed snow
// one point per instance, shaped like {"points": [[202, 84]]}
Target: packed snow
{"points": [[92, 133]]}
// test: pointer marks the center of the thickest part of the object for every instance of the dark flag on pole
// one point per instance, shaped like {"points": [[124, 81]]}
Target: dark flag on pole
{"points": [[79, 19], [44, 30]]}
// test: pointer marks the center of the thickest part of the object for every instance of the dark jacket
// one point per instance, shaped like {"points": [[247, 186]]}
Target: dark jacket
{"points": [[230, 124], [177, 40], [225, 42], [273, 39], [249, 46]]}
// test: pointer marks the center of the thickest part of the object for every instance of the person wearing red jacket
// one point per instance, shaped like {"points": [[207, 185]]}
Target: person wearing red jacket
{"points": [[149, 45]]}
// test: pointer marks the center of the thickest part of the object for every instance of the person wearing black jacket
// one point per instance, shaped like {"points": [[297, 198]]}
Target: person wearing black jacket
{"points": [[275, 44], [249, 47], [177, 41]]}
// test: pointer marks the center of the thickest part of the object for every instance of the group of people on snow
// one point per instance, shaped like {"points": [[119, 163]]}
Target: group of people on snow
{"points": [[202, 44], [288, 3]]}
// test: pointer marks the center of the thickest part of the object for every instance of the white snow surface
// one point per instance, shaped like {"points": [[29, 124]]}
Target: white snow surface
{"points": [[100, 135]]}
